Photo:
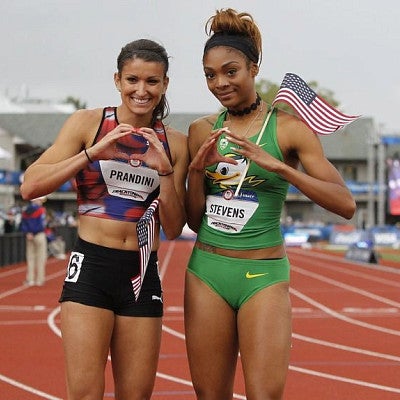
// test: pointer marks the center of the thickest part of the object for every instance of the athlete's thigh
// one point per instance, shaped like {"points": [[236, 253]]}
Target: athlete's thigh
{"points": [[86, 333], [135, 348], [264, 324], [211, 338]]}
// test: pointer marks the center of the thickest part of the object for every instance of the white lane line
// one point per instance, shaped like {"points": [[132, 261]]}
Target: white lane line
{"points": [[345, 286], [12, 271], [327, 265], [322, 374], [344, 379], [23, 287], [53, 326], [342, 317], [27, 388], [167, 259], [341, 260], [371, 310], [23, 308], [350, 349]]}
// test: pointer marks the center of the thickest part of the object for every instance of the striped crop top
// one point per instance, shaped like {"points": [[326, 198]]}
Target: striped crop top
{"points": [[116, 189]]}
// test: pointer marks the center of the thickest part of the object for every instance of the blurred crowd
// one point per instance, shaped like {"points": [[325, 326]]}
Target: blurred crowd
{"points": [[10, 222], [10, 219]]}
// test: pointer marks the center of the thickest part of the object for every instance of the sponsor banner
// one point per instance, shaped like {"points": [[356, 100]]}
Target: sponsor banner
{"points": [[15, 178], [295, 239], [377, 236], [394, 186], [10, 177], [314, 232], [347, 238], [384, 236]]}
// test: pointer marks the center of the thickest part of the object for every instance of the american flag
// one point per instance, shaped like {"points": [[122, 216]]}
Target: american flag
{"points": [[320, 116], [145, 229]]}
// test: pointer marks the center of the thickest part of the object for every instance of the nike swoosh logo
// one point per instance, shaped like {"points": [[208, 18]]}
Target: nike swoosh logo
{"points": [[250, 276]]}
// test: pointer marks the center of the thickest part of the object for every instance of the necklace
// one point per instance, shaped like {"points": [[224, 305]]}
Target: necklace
{"points": [[246, 110], [251, 122]]}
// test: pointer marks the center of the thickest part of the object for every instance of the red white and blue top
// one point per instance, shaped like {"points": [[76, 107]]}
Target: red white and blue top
{"points": [[116, 189]]}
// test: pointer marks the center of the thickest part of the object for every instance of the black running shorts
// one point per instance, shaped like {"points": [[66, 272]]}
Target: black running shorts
{"points": [[101, 277]]}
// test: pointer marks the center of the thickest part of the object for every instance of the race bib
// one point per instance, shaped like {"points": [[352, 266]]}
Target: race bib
{"points": [[128, 182], [230, 214], [74, 267]]}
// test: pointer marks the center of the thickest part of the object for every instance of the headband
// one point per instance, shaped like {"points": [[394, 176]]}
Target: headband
{"points": [[237, 41]]}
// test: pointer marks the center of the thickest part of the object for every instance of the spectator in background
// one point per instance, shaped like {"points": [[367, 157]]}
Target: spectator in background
{"points": [[11, 220], [55, 243], [9, 223], [33, 224]]}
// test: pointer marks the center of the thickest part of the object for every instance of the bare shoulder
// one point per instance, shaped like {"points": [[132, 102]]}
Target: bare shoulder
{"points": [[291, 123], [293, 133], [178, 148], [203, 124], [177, 141], [86, 117], [174, 133], [81, 126]]}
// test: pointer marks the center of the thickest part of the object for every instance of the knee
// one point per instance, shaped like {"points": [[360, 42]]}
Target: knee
{"points": [[133, 392], [211, 393], [269, 394]]}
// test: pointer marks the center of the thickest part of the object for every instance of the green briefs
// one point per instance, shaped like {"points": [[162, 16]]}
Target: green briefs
{"points": [[235, 279]]}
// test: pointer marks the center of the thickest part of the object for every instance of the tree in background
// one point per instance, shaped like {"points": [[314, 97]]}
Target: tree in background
{"points": [[267, 90], [75, 102]]}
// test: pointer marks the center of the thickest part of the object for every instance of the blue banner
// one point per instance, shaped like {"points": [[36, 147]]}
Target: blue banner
{"points": [[394, 186]]}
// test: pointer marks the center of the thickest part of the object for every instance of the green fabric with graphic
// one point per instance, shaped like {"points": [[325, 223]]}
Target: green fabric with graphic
{"points": [[236, 280], [253, 217]]}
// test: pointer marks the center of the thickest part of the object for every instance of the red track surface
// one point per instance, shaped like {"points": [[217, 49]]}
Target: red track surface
{"points": [[346, 331]]}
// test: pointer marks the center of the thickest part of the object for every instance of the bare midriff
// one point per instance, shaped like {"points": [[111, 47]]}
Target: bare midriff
{"points": [[252, 254], [111, 233]]}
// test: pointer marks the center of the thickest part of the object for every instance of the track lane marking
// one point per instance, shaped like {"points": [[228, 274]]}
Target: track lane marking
{"points": [[323, 374], [27, 388], [342, 317], [345, 286]]}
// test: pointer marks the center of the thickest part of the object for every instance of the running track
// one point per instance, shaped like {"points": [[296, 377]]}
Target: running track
{"points": [[346, 331]]}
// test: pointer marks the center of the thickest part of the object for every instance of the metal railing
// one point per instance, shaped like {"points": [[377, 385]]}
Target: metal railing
{"points": [[13, 245]]}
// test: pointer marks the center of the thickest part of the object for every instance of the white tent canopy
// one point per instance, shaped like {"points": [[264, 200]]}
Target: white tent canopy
{"points": [[4, 154]]}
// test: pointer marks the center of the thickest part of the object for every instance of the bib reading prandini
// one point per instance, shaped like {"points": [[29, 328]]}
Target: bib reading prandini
{"points": [[123, 180], [230, 214]]}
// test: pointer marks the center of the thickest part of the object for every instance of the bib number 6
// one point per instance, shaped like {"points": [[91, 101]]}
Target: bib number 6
{"points": [[74, 267]]}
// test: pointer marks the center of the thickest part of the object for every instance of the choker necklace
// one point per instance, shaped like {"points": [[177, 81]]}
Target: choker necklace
{"points": [[259, 112], [246, 110]]}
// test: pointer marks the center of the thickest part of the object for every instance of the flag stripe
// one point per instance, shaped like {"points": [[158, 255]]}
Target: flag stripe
{"points": [[307, 116], [319, 115], [311, 113], [308, 111], [145, 229], [334, 113]]}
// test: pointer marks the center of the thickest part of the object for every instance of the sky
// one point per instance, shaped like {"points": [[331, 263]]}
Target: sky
{"points": [[52, 49]]}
